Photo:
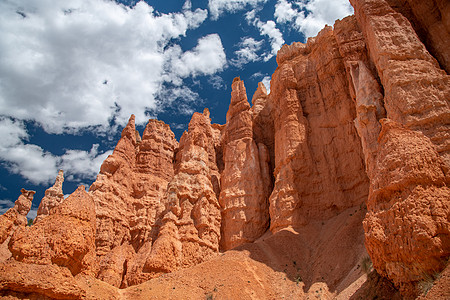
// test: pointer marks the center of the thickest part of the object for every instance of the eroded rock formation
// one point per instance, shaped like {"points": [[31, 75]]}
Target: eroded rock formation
{"points": [[246, 181], [15, 217], [66, 237], [190, 230], [408, 216], [407, 225], [53, 197], [352, 144], [129, 201]]}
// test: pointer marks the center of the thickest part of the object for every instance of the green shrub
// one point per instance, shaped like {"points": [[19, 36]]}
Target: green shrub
{"points": [[366, 264]]}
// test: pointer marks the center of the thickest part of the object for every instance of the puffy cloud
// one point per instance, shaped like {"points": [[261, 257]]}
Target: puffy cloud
{"points": [[72, 64], [28, 160], [276, 38], [82, 164], [269, 29], [217, 82], [247, 52], [284, 12], [217, 7], [39, 166], [266, 82], [207, 58], [309, 17]]}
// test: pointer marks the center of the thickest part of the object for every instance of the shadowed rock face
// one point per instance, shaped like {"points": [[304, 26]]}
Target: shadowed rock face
{"points": [[348, 153], [319, 166]]}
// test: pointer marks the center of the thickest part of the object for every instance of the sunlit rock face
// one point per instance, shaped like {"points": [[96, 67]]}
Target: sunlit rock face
{"points": [[245, 178], [14, 219], [66, 237], [129, 198], [53, 197], [348, 154]]}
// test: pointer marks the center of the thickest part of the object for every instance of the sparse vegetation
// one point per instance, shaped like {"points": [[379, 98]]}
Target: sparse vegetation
{"points": [[209, 297], [427, 282], [298, 279], [366, 264], [30, 222]]}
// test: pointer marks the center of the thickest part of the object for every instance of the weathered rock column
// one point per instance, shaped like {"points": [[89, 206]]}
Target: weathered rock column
{"points": [[245, 179]]}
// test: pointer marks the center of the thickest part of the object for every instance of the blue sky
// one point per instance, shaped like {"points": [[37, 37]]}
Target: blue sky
{"points": [[72, 72]]}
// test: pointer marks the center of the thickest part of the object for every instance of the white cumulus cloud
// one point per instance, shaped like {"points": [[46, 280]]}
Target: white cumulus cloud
{"points": [[218, 7], [39, 166], [268, 29], [248, 52], [309, 17], [266, 82], [69, 65], [207, 58]]}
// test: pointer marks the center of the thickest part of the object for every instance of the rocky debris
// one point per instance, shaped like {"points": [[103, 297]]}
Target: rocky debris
{"points": [[246, 181], [65, 238], [53, 197]]}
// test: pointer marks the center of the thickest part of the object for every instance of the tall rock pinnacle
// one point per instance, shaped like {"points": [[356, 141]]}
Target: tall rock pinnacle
{"points": [[243, 197], [53, 197]]}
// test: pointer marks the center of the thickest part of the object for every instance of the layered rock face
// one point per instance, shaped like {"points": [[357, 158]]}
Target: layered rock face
{"points": [[319, 166], [408, 216], [357, 120]]}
